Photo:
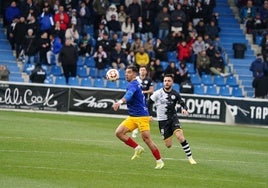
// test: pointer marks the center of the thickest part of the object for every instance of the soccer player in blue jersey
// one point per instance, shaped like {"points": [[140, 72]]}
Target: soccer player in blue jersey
{"points": [[165, 100], [138, 118]]}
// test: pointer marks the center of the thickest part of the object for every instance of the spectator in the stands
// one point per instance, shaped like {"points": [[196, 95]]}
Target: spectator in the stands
{"points": [[100, 8], [139, 28], [11, 12], [125, 44], [188, 10], [200, 28], [98, 33], [134, 10], [46, 19], [142, 57], [34, 25], [149, 9], [38, 74], [258, 67], [208, 6], [44, 46], [173, 69], [19, 33], [149, 48], [203, 63], [62, 17], [198, 46], [4, 73], [218, 66], [105, 43], [264, 47], [210, 51], [122, 15], [55, 47], [163, 23], [118, 57], [72, 33], [128, 27], [131, 58], [183, 73], [68, 59], [135, 46], [184, 50], [212, 30], [84, 15], [28, 8], [160, 50], [114, 26], [158, 71], [85, 45], [247, 14], [264, 14], [112, 10], [198, 13], [178, 19], [30, 46], [100, 57], [114, 39], [149, 29]]}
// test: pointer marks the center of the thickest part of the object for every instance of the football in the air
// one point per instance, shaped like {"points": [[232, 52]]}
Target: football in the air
{"points": [[112, 75]]}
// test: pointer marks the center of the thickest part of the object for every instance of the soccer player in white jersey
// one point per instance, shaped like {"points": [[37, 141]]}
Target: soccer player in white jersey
{"points": [[165, 100]]}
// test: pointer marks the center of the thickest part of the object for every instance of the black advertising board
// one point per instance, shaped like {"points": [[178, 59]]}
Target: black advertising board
{"points": [[13, 96], [96, 100]]}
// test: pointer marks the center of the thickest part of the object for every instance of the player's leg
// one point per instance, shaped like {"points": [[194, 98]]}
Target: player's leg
{"points": [[185, 145], [144, 128], [135, 133], [121, 132]]}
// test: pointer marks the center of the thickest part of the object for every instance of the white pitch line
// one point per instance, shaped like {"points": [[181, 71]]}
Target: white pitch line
{"points": [[124, 173]]}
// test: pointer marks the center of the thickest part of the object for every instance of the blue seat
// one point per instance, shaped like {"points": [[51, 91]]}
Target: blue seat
{"points": [[112, 85], [56, 70], [80, 61], [98, 82], [199, 89], [219, 80], [28, 67], [237, 92], [231, 81], [212, 90], [195, 79], [92, 72], [60, 80], [90, 62], [48, 80], [206, 79], [159, 85], [224, 91], [16, 79], [122, 84], [73, 81], [176, 87], [190, 67], [121, 74], [81, 72], [164, 64], [86, 82]]}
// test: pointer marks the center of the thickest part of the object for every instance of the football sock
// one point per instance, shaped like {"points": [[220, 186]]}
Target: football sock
{"points": [[156, 154], [130, 142], [186, 148]]}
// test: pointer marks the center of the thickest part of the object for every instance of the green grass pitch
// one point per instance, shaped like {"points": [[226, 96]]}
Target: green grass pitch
{"points": [[58, 150]]}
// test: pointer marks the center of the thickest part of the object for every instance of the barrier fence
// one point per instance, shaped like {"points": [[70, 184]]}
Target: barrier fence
{"points": [[80, 99]]}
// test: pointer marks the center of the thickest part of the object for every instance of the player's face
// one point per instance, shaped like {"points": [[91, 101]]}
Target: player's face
{"points": [[130, 75], [168, 83], [143, 71]]}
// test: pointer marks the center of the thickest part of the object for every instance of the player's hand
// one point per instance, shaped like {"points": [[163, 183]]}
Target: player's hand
{"points": [[185, 112], [116, 106], [151, 118]]}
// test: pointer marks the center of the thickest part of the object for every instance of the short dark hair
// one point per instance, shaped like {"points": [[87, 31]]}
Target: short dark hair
{"points": [[169, 76], [133, 68]]}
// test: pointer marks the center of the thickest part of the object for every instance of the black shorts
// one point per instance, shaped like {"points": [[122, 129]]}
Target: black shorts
{"points": [[167, 127]]}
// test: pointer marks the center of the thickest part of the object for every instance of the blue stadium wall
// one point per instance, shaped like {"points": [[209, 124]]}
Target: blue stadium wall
{"points": [[229, 110]]}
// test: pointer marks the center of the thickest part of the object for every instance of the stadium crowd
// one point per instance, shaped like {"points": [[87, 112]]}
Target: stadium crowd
{"points": [[117, 33]]}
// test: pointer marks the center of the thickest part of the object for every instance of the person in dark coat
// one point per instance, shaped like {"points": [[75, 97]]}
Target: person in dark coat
{"points": [[68, 57], [38, 75], [19, 33]]}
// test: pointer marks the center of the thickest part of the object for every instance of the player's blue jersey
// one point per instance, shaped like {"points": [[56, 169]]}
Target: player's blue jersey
{"points": [[137, 103]]}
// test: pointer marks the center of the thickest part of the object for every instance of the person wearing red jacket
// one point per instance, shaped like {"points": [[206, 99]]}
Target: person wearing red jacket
{"points": [[184, 51], [63, 18]]}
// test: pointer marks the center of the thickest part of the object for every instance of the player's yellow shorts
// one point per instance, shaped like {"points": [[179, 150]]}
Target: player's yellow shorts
{"points": [[142, 122]]}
